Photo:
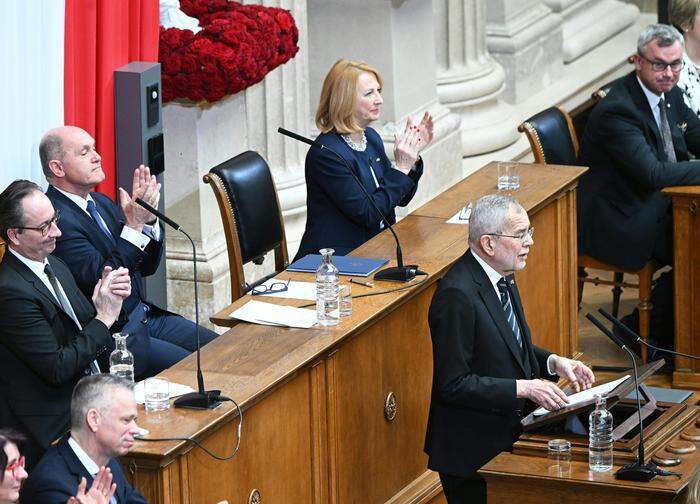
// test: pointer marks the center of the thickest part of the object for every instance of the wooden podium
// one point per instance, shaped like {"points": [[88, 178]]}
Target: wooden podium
{"points": [[686, 278], [338, 415]]}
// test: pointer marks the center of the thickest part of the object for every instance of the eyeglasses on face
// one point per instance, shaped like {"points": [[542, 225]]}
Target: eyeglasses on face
{"points": [[14, 466], [259, 290], [46, 226], [660, 66], [522, 237]]}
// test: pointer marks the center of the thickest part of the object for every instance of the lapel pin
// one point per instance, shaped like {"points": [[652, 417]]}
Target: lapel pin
{"points": [[682, 126]]}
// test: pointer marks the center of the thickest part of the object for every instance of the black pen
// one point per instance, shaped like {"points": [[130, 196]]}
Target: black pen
{"points": [[360, 282]]}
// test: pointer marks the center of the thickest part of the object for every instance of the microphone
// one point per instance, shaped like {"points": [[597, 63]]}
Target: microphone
{"points": [[399, 273], [638, 339], [636, 471], [202, 399]]}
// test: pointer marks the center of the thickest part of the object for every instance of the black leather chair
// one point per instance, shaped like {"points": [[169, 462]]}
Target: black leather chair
{"points": [[553, 140], [251, 214]]}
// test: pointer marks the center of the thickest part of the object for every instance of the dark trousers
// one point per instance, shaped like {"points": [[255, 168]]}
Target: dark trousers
{"points": [[460, 490], [161, 339]]}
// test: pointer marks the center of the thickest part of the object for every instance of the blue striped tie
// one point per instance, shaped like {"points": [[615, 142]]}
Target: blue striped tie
{"points": [[92, 210], [508, 309]]}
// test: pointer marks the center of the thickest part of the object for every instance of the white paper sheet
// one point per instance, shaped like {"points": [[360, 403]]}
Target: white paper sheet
{"points": [[464, 213], [295, 290], [259, 312], [176, 390], [585, 395]]}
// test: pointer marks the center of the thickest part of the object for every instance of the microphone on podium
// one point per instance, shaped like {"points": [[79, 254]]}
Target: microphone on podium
{"points": [[636, 471], [202, 399], [399, 273]]}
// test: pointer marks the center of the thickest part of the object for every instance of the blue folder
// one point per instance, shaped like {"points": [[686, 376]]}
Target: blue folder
{"points": [[347, 265]]}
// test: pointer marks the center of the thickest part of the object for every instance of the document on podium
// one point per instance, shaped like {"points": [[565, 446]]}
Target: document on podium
{"points": [[586, 395], [258, 312]]}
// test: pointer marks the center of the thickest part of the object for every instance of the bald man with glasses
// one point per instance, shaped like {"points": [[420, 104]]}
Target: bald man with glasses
{"points": [[50, 333]]}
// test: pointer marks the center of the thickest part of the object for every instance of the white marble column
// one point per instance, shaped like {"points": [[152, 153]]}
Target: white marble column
{"points": [[396, 37], [525, 37], [588, 23], [469, 81], [200, 136]]}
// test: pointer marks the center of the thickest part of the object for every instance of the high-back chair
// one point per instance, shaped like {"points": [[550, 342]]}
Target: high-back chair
{"points": [[251, 214], [553, 141]]}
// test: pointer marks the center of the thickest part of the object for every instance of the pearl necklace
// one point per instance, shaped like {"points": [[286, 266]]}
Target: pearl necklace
{"points": [[354, 146]]}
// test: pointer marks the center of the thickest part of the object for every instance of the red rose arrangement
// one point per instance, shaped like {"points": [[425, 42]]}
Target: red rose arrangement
{"points": [[237, 46]]}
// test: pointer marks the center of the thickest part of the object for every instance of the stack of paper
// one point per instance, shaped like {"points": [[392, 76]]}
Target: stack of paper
{"points": [[258, 312], [586, 395]]}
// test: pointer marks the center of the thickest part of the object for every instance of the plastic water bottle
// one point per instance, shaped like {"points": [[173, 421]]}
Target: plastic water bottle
{"points": [[121, 360], [327, 299], [600, 440]]}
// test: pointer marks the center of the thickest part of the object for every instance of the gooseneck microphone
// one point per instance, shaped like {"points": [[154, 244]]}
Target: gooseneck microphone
{"points": [[202, 399], [638, 339], [636, 471], [399, 273]]}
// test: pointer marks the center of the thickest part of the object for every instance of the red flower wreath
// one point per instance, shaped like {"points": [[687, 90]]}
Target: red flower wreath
{"points": [[237, 46]]}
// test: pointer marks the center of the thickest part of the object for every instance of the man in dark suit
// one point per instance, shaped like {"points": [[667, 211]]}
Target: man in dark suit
{"points": [[103, 426], [97, 232], [637, 142], [50, 334], [486, 371]]}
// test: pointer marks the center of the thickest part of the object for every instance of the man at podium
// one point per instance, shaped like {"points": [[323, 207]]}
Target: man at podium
{"points": [[486, 371]]}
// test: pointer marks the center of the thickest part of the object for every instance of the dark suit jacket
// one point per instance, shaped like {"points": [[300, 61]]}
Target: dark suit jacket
{"points": [[474, 413], [87, 250], [42, 352], [621, 210], [58, 475], [339, 216]]}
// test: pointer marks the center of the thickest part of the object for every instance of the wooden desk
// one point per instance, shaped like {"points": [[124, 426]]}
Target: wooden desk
{"points": [[338, 414], [686, 278]]}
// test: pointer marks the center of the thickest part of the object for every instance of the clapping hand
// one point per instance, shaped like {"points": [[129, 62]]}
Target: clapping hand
{"points": [[414, 139], [111, 289], [146, 187], [101, 490]]}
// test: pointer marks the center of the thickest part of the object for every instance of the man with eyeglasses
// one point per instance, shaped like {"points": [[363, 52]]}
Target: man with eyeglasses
{"points": [[486, 371], [97, 232], [50, 333], [637, 141]]}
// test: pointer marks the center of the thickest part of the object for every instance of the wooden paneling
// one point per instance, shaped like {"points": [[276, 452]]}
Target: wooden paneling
{"points": [[314, 426], [385, 455], [686, 278]]}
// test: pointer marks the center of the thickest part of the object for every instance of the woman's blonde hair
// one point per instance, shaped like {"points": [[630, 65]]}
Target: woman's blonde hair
{"points": [[681, 13], [338, 95]]}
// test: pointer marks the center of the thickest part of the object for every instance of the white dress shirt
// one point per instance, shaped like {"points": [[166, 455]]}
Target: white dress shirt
{"points": [[89, 464], [140, 240], [38, 269], [494, 277], [653, 100]]}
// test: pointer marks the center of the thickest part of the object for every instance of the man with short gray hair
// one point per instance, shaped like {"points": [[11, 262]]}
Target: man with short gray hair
{"points": [[637, 141], [486, 371], [103, 426]]}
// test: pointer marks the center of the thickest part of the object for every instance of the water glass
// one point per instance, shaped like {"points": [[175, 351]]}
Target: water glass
{"points": [[508, 176], [345, 300], [156, 394], [559, 455]]}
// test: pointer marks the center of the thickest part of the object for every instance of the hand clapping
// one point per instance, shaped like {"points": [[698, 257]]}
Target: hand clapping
{"points": [[414, 139], [146, 187], [101, 490]]}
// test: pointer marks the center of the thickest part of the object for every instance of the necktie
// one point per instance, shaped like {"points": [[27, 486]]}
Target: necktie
{"points": [[65, 304], [92, 210], [666, 132], [508, 309]]}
